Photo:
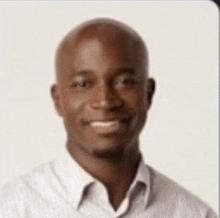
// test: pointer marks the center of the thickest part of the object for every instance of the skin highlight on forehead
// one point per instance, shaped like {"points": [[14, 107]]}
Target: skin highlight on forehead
{"points": [[109, 33]]}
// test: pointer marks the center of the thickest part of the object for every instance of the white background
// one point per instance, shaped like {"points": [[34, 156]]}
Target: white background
{"points": [[181, 136]]}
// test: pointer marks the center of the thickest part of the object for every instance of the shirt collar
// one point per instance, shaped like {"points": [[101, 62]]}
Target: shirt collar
{"points": [[143, 174], [75, 179], [142, 178]]}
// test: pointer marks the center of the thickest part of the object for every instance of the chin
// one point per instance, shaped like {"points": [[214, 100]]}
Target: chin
{"points": [[110, 149], [115, 152]]}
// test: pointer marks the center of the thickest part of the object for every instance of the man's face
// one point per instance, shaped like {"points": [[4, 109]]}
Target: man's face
{"points": [[101, 95]]}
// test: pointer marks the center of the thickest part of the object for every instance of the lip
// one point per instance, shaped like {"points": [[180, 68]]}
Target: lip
{"points": [[105, 124], [107, 119], [108, 126]]}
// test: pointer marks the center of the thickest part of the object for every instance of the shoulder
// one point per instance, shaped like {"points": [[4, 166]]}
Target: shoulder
{"points": [[168, 193], [15, 195]]}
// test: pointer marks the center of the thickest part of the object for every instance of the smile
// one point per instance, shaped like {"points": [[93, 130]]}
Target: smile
{"points": [[106, 127], [105, 123]]}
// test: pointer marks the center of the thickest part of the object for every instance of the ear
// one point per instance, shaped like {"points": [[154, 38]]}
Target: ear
{"points": [[151, 87], [56, 99]]}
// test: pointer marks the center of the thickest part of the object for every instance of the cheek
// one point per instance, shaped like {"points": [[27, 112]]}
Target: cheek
{"points": [[136, 103], [72, 104], [135, 99], [72, 107]]}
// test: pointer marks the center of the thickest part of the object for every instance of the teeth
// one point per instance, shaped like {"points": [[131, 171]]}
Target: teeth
{"points": [[104, 124]]}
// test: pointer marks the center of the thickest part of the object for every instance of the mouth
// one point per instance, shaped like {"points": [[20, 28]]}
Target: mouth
{"points": [[105, 124], [108, 127]]}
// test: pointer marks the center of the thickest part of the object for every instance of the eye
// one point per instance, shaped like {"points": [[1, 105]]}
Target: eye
{"points": [[82, 84], [126, 82]]}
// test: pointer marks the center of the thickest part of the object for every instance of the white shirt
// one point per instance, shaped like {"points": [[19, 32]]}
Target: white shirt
{"points": [[63, 189]]}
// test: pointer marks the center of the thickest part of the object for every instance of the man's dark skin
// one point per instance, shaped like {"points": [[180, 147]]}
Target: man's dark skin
{"points": [[103, 94]]}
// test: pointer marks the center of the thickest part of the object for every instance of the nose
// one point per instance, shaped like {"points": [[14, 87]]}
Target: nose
{"points": [[106, 98]]}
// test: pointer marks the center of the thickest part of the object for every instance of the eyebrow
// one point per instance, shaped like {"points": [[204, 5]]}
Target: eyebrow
{"points": [[81, 73], [125, 70], [119, 71]]}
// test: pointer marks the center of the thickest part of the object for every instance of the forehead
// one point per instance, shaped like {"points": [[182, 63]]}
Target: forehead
{"points": [[100, 50], [103, 50]]}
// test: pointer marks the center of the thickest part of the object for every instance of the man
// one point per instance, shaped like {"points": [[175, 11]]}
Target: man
{"points": [[103, 93]]}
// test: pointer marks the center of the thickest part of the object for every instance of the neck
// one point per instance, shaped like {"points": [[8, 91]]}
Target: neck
{"points": [[116, 171]]}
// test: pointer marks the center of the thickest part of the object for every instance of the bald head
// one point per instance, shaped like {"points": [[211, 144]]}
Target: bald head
{"points": [[101, 70], [109, 33]]}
